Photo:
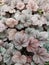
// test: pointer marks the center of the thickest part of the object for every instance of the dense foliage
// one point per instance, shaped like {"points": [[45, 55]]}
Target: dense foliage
{"points": [[24, 32]]}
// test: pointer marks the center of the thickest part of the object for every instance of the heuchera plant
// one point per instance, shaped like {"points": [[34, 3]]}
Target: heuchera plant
{"points": [[24, 32]]}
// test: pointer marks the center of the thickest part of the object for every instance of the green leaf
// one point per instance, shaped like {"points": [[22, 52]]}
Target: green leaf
{"points": [[2, 50], [19, 26], [2, 35], [40, 11], [47, 63], [32, 63], [46, 46]]}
